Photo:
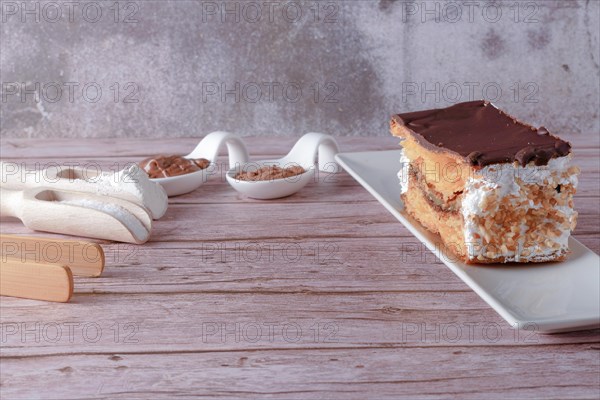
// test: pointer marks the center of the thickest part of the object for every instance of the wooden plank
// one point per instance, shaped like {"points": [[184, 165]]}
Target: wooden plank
{"points": [[326, 187], [141, 147], [549, 372], [586, 156], [101, 323], [25, 148], [253, 221], [274, 266]]}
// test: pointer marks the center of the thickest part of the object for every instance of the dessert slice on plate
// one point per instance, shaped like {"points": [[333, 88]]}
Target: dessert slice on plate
{"points": [[494, 188]]}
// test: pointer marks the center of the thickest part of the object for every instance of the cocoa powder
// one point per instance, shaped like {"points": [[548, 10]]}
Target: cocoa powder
{"points": [[165, 166], [269, 173]]}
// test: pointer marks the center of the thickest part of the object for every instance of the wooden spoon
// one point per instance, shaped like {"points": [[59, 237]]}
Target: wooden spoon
{"points": [[78, 214], [131, 184], [38, 281], [83, 258]]}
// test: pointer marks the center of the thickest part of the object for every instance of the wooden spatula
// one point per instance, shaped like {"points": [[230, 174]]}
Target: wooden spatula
{"points": [[131, 184], [38, 281], [83, 258], [77, 213]]}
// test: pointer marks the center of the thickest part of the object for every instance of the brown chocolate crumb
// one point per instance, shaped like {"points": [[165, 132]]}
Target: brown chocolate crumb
{"points": [[269, 173], [165, 166], [542, 131], [525, 155], [202, 163], [473, 157], [563, 148]]}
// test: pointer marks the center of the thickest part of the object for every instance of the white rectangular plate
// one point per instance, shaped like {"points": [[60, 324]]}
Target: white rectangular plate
{"points": [[546, 297]]}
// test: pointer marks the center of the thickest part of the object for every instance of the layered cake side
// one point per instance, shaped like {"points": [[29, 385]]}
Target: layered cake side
{"points": [[494, 188]]}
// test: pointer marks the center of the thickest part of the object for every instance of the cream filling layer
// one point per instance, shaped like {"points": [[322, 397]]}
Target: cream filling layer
{"points": [[403, 173], [508, 181]]}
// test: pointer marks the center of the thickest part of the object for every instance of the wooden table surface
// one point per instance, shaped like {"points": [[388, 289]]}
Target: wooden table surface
{"points": [[303, 297]]}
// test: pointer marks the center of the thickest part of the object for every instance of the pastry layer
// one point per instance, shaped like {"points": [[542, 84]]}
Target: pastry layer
{"points": [[449, 225], [505, 213], [442, 176]]}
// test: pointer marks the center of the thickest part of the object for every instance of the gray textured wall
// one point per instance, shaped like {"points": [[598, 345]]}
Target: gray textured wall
{"points": [[185, 68]]}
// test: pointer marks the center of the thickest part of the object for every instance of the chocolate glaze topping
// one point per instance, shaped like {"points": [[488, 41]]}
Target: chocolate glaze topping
{"points": [[483, 134]]}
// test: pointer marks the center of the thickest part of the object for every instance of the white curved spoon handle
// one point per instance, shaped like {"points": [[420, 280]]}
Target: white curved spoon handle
{"points": [[209, 148], [313, 145]]}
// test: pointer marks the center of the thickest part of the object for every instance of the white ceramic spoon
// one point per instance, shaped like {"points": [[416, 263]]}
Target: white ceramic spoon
{"points": [[309, 147], [208, 148]]}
